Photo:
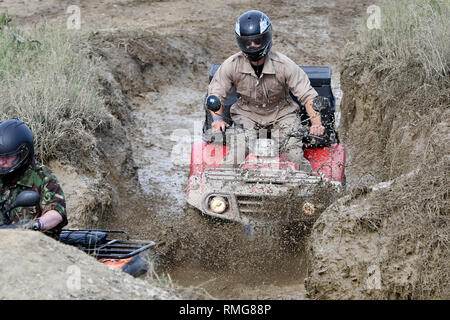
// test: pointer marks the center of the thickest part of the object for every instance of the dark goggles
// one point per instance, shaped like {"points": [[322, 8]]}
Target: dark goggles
{"points": [[254, 43]]}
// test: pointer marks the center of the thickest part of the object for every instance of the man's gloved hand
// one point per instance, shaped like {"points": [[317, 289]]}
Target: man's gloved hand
{"points": [[314, 108], [320, 104]]}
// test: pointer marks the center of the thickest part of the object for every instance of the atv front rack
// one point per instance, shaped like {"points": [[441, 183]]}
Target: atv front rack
{"points": [[281, 177], [105, 244]]}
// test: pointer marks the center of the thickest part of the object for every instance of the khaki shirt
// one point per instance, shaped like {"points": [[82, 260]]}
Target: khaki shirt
{"points": [[265, 99]]}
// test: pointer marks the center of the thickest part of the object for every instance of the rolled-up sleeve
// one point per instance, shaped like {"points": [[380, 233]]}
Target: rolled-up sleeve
{"points": [[298, 82], [52, 197]]}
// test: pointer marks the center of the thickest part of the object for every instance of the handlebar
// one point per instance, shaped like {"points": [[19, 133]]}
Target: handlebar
{"points": [[19, 225], [213, 104], [299, 133]]}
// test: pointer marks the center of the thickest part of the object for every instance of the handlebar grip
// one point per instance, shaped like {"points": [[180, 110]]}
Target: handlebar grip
{"points": [[17, 225], [315, 137], [9, 226]]}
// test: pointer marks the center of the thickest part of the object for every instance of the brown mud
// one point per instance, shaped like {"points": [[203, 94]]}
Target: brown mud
{"points": [[35, 267], [157, 54]]}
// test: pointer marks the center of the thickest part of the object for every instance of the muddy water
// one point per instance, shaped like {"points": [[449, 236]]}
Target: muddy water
{"points": [[167, 122], [284, 281]]}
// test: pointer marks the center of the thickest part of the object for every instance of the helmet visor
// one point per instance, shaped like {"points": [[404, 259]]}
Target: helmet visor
{"points": [[254, 43], [11, 161]]}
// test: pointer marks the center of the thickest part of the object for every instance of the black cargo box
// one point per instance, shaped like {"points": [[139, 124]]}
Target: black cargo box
{"points": [[318, 75]]}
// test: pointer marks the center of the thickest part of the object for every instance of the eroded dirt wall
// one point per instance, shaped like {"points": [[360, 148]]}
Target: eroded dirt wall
{"points": [[388, 239]]}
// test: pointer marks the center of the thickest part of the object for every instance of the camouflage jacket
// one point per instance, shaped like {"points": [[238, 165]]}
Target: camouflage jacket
{"points": [[41, 179]]}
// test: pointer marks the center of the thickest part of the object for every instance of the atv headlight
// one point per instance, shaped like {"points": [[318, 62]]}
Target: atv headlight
{"points": [[218, 205]]}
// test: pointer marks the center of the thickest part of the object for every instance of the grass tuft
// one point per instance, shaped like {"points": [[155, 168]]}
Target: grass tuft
{"points": [[413, 37], [46, 82]]}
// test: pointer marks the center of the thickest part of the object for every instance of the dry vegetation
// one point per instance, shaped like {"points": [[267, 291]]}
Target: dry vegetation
{"points": [[397, 82], [413, 38], [46, 82]]}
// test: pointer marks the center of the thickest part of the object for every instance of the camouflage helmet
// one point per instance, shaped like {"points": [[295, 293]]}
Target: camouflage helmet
{"points": [[16, 146]]}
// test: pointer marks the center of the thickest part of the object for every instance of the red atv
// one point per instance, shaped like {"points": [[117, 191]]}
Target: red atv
{"points": [[244, 193], [111, 247]]}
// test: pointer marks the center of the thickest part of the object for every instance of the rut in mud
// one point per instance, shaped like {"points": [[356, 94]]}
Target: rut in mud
{"points": [[164, 78], [166, 117]]}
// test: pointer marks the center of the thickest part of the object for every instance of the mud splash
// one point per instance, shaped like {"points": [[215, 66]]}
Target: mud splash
{"points": [[213, 255], [194, 251], [285, 283], [165, 107]]}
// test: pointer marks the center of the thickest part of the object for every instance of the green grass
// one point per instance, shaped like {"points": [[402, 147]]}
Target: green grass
{"points": [[45, 81]]}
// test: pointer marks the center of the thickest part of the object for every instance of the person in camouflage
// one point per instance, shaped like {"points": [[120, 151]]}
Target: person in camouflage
{"points": [[19, 171]]}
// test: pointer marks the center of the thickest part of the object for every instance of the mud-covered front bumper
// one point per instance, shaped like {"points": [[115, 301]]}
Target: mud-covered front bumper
{"points": [[248, 193]]}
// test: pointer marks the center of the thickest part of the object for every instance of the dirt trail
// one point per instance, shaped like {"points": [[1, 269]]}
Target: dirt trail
{"points": [[309, 32]]}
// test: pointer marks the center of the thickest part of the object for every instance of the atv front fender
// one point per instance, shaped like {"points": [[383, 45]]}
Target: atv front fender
{"points": [[328, 161]]}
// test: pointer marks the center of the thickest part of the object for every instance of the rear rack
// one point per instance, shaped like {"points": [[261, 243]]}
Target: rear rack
{"points": [[105, 244]]}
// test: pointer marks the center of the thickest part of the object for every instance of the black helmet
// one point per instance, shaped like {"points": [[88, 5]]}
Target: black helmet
{"points": [[16, 146], [254, 26]]}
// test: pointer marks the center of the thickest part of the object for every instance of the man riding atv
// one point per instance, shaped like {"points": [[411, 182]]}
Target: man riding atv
{"points": [[262, 78], [19, 171], [269, 135]]}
